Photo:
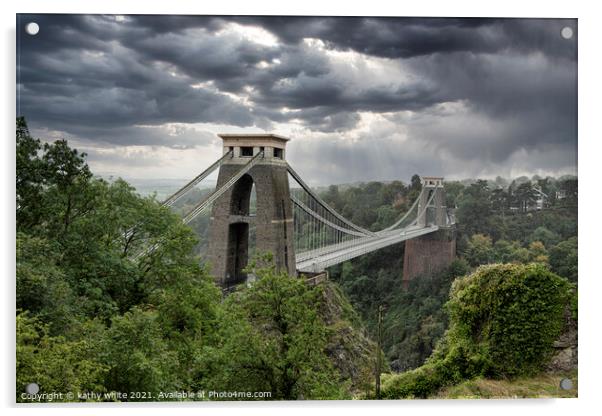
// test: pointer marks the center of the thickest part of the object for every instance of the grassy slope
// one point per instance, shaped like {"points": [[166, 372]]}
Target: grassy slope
{"points": [[545, 385]]}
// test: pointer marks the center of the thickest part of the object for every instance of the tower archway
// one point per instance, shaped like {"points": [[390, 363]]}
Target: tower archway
{"points": [[256, 212]]}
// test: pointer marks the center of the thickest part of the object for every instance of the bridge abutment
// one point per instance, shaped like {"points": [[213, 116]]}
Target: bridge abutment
{"points": [[428, 254], [432, 252]]}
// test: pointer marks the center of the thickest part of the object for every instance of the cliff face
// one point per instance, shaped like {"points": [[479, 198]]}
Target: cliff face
{"points": [[352, 352], [564, 357]]}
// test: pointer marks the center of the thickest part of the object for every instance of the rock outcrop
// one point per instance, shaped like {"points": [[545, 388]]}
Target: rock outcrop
{"points": [[352, 352], [564, 357]]}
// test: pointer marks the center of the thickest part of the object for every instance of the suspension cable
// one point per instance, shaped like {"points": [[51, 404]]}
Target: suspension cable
{"points": [[201, 206], [405, 215], [324, 220], [183, 190], [324, 204]]}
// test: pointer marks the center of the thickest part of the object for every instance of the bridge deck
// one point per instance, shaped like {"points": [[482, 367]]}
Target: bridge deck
{"points": [[318, 260]]}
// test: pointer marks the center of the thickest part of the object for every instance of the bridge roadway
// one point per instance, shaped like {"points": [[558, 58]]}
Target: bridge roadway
{"points": [[319, 259]]}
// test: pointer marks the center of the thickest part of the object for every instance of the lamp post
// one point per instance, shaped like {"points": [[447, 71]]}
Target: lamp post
{"points": [[378, 351]]}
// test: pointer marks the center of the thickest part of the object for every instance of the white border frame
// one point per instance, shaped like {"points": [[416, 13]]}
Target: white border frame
{"points": [[589, 233]]}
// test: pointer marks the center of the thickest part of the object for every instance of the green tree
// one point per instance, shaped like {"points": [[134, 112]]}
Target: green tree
{"points": [[525, 196], [54, 363], [67, 173], [453, 190], [505, 251], [188, 313], [386, 217], [474, 208], [333, 197], [546, 236], [274, 340], [41, 286], [479, 250], [538, 252], [569, 188], [564, 259], [500, 200], [415, 187], [29, 176], [509, 315], [137, 356]]}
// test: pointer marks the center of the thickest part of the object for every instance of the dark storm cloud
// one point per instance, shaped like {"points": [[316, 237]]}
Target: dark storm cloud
{"points": [[522, 102], [86, 84], [154, 24], [98, 78], [203, 55], [408, 37]]}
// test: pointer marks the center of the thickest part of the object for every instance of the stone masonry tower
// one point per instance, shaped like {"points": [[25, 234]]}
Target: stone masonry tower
{"points": [[432, 252], [230, 217], [436, 213]]}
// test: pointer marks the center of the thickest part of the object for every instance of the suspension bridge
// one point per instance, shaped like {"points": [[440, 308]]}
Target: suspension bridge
{"points": [[304, 234]]}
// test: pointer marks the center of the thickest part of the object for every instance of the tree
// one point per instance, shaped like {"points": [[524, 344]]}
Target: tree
{"points": [[333, 197], [479, 250], [509, 315], [137, 356], [563, 259], [500, 200], [41, 287], [54, 363], [453, 190], [525, 195], [390, 193], [505, 251], [387, 215], [188, 313], [569, 188], [547, 237], [29, 176], [68, 195], [415, 187], [474, 209], [274, 340], [538, 252]]}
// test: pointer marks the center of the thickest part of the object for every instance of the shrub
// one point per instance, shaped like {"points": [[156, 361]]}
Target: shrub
{"points": [[504, 319], [54, 363], [511, 313]]}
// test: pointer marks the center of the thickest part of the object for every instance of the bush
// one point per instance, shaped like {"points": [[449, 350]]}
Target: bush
{"points": [[137, 355], [56, 364], [504, 319], [274, 339], [512, 313]]}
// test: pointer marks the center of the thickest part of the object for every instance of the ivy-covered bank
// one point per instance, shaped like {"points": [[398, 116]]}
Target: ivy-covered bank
{"points": [[504, 319]]}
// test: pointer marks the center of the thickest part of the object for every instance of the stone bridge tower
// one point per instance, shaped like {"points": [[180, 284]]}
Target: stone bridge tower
{"points": [[432, 252], [231, 216]]}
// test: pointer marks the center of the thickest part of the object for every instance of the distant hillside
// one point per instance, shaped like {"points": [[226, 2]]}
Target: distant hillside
{"points": [[162, 187]]}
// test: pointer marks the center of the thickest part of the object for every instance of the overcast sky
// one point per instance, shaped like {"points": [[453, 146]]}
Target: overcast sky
{"points": [[361, 98]]}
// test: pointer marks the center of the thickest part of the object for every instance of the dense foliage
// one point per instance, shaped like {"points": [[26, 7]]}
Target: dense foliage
{"points": [[503, 321], [273, 339], [498, 222], [110, 298]]}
